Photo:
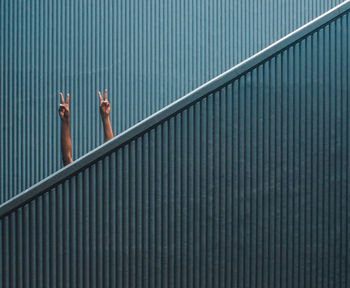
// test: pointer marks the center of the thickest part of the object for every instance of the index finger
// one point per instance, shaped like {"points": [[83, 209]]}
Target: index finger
{"points": [[99, 95], [105, 94], [67, 98], [62, 99]]}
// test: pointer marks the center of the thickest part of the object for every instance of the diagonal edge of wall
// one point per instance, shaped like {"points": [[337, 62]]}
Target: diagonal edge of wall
{"points": [[171, 109]]}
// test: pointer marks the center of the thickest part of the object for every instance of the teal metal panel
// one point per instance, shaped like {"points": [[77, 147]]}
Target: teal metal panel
{"points": [[147, 54], [242, 183]]}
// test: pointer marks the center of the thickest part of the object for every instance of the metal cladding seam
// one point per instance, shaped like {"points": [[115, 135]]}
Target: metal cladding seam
{"points": [[146, 54], [246, 187]]}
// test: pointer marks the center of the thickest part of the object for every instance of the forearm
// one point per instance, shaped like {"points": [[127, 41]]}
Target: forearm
{"points": [[107, 129], [66, 143]]}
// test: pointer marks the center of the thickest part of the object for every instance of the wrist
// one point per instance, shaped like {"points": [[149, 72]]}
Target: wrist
{"points": [[65, 120], [105, 118]]}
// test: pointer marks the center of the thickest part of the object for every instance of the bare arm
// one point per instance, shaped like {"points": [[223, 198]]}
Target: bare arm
{"points": [[105, 109], [66, 143]]}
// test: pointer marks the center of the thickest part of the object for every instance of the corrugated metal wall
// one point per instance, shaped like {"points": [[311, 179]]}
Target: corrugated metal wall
{"points": [[247, 187], [146, 54]]}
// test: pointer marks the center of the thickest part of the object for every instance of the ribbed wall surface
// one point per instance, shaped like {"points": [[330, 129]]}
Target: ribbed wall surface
{"points": [[248, 187], [146, 54]]}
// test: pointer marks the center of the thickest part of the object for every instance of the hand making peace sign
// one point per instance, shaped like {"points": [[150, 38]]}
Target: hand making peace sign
{"points": [[63, 110], [105, 107]]}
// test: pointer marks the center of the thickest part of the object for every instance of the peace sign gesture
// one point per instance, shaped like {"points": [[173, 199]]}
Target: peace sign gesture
{"points": [[105, 107], [63, 110]]}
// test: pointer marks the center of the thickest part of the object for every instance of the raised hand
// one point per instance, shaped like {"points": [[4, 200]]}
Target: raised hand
{"points": [[105, 108], [63, 110], [66, 143]]}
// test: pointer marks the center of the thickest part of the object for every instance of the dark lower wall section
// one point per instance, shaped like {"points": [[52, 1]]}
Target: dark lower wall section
{"points": [[147, 53], [248, 187]]}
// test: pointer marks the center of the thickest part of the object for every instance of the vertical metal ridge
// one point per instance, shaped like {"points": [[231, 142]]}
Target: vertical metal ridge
{"points": [[2, 91]]}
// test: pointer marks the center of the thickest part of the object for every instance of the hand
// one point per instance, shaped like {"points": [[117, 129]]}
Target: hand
{"points": [[105, 107], [63, 110]]}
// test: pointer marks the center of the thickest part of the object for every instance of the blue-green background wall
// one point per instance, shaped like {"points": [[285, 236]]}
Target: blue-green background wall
{"points": [[147, 53], [248, 186]]}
